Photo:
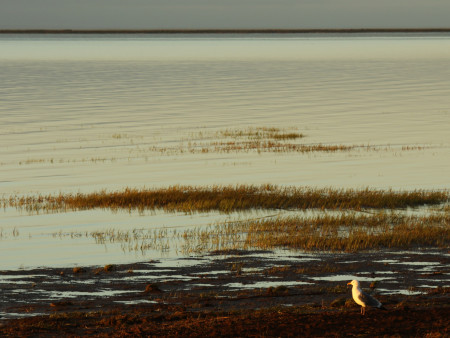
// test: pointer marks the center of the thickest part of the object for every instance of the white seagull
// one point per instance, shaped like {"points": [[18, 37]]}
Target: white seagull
{"points": [[364, 299]]}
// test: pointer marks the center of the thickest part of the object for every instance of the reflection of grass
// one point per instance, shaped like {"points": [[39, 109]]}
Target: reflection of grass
{"points": [[276, 147], [251, 140], [231, 198], [346, 232], [261, 133], [334, 233], [137, 240], [15, 233], [260, 139], [351, 233]]}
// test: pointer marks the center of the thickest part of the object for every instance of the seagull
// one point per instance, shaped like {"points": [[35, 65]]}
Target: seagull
{"points": [[364, 299]]}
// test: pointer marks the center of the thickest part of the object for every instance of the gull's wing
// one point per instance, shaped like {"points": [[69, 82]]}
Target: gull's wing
{"points": [[368, 300]]}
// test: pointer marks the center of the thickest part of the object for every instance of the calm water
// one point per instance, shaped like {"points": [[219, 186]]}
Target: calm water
{"points": [[82, 113]]}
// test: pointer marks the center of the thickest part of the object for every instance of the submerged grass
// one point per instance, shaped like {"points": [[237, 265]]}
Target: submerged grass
{"points": [[259, 139], [330, 233], [230, 198], [349, 232], [251, 140], [261, 133]]}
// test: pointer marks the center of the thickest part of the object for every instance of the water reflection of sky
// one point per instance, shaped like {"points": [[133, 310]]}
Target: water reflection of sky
{"points": [[82, 113], [227, 47]]}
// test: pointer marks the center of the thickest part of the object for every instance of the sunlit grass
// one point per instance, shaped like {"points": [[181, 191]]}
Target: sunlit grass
{"points": [[325, 233], [230, 198], [349, 232]]}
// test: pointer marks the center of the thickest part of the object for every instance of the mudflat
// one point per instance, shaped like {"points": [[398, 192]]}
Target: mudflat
{"points": [[233, 293]]}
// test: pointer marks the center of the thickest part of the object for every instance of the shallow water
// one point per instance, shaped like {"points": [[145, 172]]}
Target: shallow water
{"points": [[80, 113], [70, 238], [84, 113]]}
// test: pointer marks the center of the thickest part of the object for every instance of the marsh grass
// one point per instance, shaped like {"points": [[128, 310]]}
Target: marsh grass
{"points": [[361, 223], [251, 140], [276, 147], [261, 133], [230, 198], [261, 140], [349, 232]]}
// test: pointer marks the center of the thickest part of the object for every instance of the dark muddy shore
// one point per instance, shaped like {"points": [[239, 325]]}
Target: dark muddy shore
{"points": [[237, 294]]}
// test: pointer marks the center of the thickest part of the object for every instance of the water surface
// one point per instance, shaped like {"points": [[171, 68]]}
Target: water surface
{"points": [[84, 113]]}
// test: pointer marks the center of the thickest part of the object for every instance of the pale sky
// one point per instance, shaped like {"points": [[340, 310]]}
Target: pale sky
{"points": [[222, 14]]}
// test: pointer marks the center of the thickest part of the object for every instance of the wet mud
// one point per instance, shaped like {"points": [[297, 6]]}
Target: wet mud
{"points": [[237, 293]]}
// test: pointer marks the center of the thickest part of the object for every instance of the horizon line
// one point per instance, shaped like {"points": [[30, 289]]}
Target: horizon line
{"points": [[225, 31]]}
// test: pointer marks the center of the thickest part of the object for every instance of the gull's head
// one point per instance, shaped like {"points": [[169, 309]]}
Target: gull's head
{"points": [[354, 283]]}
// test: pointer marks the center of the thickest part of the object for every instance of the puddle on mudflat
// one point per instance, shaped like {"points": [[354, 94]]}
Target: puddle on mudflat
{"points": [[418, 263], [422, 266], [18, 282], [136, 302], [179, 262], [376, 273], [216, 272], [435, 279], [72, 281], [427, 286], [161, 278], [398, 292], [148, 271], [429, 269], [19, 290], [198, 286], [405, 253], [390, 261], [12, 278], [286, 256], [342, 278], [74, 294], [264, 284], [12, 315], [252, 270]]}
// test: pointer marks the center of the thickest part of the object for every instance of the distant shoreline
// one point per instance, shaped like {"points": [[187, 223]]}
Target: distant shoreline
{"points": [[225, 31]]}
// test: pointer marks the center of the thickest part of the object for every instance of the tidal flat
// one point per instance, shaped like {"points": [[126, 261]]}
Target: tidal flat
{"points": [[155, 184], [275, 248], [216, 293]]}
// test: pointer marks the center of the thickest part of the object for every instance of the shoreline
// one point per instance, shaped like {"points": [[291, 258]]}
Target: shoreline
{"points": [[226, 31]]}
